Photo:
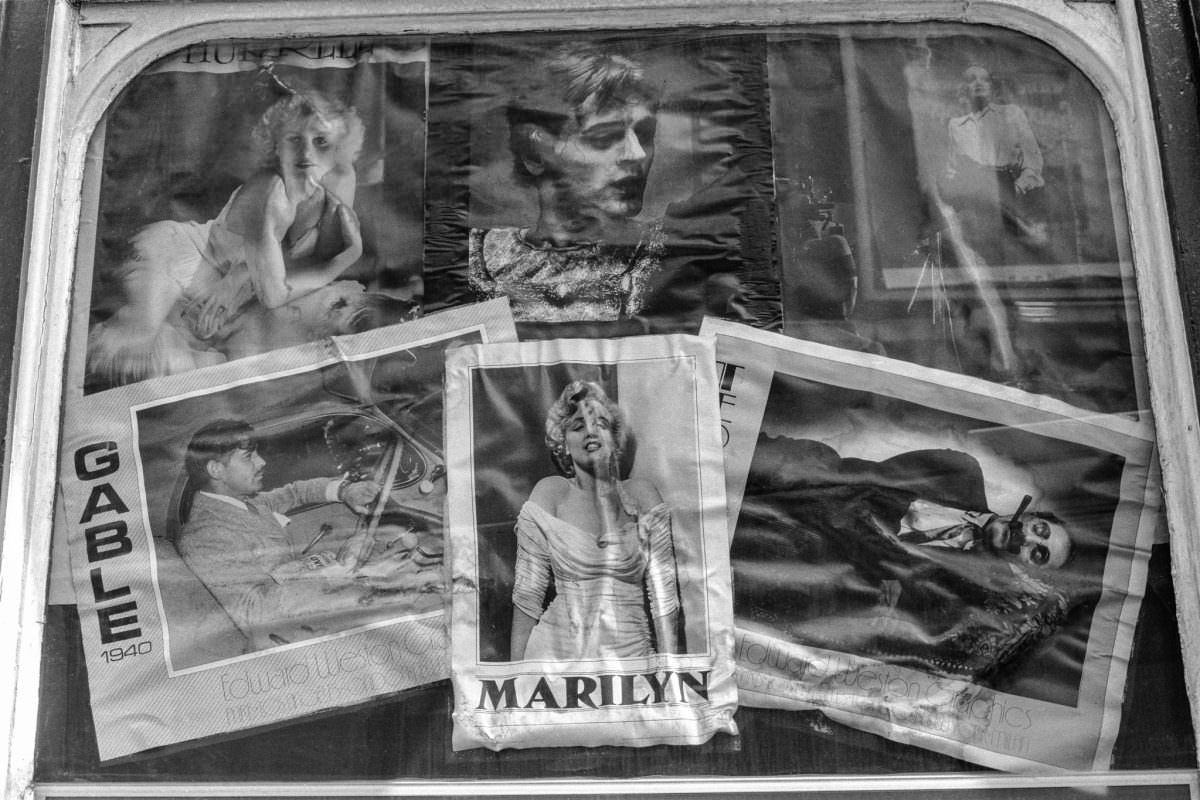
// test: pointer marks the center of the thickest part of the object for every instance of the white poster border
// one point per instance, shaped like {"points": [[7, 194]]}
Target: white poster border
{"points": [[682, 719], [149, 703], [1074, 738]]}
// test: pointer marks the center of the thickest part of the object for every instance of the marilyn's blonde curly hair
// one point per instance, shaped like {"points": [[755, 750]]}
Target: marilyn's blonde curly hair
{"points": [[569, 400]]}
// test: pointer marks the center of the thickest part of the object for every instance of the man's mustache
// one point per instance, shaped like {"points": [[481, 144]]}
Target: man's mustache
{"points": [[632, 183]]}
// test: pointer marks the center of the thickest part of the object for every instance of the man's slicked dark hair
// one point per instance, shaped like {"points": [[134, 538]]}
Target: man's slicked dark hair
{"points": [[213, 442]]}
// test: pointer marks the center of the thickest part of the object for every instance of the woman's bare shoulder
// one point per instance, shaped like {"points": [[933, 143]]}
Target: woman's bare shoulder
{"points": [[548, 492], [644, 493], [262, 197], [260, 186], [341, 182]]}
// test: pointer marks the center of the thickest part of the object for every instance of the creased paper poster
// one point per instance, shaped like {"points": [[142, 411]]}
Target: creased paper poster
{"points": [[951, 195], [247, 196], [263, 540], [941, 561], [588, 546], [606, 183]]}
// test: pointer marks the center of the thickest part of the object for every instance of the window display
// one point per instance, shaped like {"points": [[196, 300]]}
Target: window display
{"points": [[728, 400]]}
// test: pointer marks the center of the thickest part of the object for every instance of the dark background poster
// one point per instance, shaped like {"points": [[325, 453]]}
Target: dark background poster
{"points": [[708, 184], [179, 141], [892, 242], [810, 565]]}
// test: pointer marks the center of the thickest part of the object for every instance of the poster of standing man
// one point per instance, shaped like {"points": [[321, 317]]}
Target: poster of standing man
{"points": [[951, 196]]}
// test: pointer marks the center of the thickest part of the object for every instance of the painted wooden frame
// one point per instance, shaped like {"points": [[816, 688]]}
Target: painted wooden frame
{"points": [[94, 50]]}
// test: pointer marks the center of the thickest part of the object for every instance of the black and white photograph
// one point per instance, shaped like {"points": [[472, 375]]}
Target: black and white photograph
{"points": [[603, 539], [605, 185], [253, 197], [955, 200], [958, 551], [577, 388], [919, 557], [300, 507], [266, 540], [593, 552]]}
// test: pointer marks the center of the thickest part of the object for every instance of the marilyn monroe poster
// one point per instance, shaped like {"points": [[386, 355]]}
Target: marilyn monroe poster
{"points": [[589, 556]]}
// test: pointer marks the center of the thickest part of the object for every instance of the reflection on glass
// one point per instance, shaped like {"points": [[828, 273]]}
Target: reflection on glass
{"points": [[951, 196]]}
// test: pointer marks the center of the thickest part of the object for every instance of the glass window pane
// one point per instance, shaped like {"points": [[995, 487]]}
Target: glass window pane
{"points": [[944, 196]]}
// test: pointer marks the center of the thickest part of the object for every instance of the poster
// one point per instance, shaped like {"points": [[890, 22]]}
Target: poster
{"points": [[804, 180], [588, 545], [877, 572], [606, 184], [952, 196], [252, 196], [264, 540]]}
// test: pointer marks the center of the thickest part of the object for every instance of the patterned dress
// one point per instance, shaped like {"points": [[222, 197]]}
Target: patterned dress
{"points": [[591, 282]]}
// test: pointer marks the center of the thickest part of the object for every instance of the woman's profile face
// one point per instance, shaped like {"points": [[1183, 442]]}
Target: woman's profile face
{"points": [[588, 436], [306, 147]]}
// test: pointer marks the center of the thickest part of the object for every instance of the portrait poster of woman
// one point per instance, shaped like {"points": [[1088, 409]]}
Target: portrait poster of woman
{"points": [[248, 197], [588, 544], [972, 219], [648, 209]]}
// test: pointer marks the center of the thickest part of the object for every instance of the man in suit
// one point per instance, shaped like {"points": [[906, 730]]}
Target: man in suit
{"points": [[921, 498], [900, 560], [235, 539]]}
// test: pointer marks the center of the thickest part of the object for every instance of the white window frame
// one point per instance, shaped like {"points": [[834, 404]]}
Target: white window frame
{"points": [[95, 50]]}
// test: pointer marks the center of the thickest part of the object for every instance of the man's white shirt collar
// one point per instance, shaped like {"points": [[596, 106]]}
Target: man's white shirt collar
{"points": [[236, 503], [975, 116]]}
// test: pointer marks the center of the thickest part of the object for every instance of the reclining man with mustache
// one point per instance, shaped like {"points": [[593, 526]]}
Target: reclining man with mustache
{"points": [[901, 560]]}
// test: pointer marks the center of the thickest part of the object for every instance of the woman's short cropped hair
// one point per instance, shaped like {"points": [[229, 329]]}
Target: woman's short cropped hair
{"points": [[572, 81]]}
